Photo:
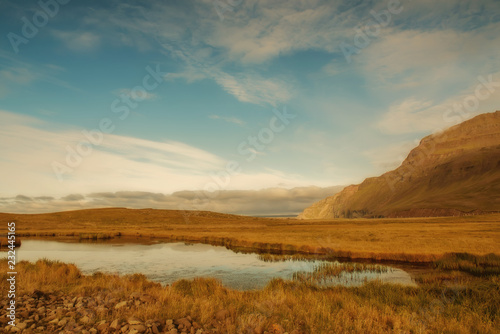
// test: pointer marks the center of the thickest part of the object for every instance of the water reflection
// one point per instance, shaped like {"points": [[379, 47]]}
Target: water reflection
{"points": [[168, 262]]}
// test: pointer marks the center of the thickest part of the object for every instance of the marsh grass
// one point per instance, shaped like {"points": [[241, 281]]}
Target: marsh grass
{"points": [[325, 273], [463, 304], [484, 265], [266, 257]]}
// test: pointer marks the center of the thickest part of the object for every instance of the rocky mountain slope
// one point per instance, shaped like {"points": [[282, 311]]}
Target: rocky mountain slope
{"points": [[454, 172]]}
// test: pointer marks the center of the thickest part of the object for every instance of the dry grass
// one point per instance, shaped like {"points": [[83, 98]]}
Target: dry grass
{"points": [[400, 239], [325, 272], [469, 305]]}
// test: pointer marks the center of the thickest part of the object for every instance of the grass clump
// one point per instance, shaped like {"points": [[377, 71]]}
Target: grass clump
{"points": [[477, 265]]}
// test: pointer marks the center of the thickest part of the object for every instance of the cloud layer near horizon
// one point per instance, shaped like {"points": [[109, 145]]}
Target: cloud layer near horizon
{"points": [[271, 201]]}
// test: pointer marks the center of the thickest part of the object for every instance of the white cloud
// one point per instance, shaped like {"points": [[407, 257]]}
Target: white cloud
{"points": [[78, 40], [29, 147]]}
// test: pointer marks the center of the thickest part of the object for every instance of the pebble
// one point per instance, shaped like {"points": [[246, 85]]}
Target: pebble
{"points": [[46, 312]]}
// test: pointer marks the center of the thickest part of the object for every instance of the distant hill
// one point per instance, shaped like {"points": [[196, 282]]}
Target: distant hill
{"points": [[454, 172]]}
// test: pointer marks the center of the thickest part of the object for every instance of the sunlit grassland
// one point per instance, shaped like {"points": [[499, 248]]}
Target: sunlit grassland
{"points": [[446, 301], [400, 239]]}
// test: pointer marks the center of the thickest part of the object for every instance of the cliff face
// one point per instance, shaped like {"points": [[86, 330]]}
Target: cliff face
{"points": [[451, 173]]}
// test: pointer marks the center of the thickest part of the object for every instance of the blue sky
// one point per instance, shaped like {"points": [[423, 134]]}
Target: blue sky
{"points": [[226, 70]]}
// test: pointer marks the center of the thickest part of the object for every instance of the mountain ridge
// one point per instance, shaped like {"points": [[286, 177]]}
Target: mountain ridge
{"points": [[454, 172]]}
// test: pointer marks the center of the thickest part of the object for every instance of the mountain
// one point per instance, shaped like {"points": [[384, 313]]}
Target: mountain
{"points": [[453, 172]]}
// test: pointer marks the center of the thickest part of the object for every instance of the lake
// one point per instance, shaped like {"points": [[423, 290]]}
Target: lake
{"points": [[169, 262]]}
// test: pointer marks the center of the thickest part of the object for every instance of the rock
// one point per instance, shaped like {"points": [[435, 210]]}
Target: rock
{"points": [[115, 324], [183, 323], [120, 305], [172, 331], [22, 325], [169, 324], [102, 327], [85, 320], [134, 321], [139, 328]]}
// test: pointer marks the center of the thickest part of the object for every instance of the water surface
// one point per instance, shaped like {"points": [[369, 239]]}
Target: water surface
{"points": [[169, 262]]}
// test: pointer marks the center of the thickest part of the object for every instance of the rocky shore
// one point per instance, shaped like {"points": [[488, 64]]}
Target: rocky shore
{"points": [[41, 312]]}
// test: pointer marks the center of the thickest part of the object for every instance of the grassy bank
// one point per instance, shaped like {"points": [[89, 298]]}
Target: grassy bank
{"points": [[447, 301], [410, 239]]}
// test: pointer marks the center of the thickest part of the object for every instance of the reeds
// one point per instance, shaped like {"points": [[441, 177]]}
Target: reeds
{"points": [[484, 265], [324, 273]]}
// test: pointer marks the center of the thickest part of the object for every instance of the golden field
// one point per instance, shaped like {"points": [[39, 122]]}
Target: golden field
{"points": [[400, 239]]}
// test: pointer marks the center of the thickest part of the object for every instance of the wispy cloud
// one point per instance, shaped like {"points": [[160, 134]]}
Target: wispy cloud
{"points": [[228, 119], [18, 73], [137, 95], [79, 41]]}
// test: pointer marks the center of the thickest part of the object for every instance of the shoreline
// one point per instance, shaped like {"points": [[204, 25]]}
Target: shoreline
{"points": [[238, 246], [415, 240]]}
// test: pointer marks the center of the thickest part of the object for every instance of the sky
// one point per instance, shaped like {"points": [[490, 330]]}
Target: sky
{"points": [[239, 106]]}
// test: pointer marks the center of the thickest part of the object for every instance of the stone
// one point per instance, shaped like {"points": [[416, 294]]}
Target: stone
{"points": [[139, 328], [115, 324], [120, 305], [22, 325], [102, 327], [183, 323], [85, 320], [134, 321]]}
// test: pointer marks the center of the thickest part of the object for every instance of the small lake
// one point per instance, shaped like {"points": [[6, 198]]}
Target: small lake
{"points": [[169, 262]]}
